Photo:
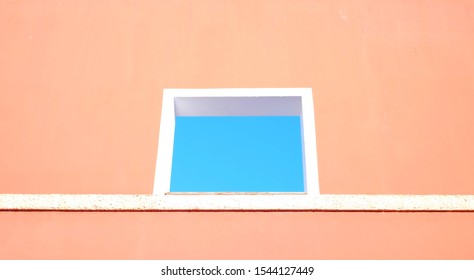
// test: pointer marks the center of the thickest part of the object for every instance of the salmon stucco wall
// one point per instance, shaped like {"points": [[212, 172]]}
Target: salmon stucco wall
{"points": [[80, 97], [81, 85], [236, 235]]}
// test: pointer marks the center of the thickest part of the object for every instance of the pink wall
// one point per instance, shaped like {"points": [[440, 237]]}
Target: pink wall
{"points": [[236, 235], [80, 99]]}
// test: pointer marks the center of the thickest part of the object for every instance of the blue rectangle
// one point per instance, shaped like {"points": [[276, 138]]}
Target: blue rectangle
{"points": [[237, 154]]}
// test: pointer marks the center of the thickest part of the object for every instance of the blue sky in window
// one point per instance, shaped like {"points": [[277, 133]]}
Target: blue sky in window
{"points": [[237, 154]]}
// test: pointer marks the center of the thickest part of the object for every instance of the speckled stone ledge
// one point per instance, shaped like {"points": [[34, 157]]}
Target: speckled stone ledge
{"points": [[62, 202]]}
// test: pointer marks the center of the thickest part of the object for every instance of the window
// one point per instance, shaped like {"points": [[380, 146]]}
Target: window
{"points": [[237, 154], [237, 141]]}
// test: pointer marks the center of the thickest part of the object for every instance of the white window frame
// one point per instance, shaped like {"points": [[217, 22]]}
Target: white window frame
{"points": [[236, 102]]}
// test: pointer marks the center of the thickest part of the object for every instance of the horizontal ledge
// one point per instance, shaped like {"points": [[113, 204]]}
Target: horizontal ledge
{"points": [[83, 202]]}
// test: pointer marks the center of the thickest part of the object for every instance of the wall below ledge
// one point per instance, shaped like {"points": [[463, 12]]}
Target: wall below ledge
{"points": [[236, 235]]}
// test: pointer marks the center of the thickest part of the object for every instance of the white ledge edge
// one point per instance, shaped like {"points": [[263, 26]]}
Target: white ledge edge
{"points": [[94, 202]]}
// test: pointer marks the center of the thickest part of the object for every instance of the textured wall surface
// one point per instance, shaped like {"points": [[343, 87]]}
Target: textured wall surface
{"points": [[234, 235], [80, 99], [81, 85]]}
